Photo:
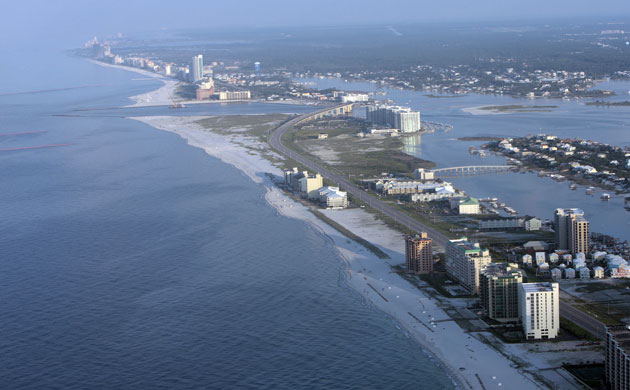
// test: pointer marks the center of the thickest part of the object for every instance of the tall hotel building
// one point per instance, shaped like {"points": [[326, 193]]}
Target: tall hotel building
{"points": [[196, 68], [617, 364], [540, 310], [572, 230], [419, 254], [464, 261], [498, 290], [402, 118]]}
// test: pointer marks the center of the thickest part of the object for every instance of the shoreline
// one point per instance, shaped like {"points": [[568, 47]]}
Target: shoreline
{"points": [[165, 95], [476, 365], [418, 314]]}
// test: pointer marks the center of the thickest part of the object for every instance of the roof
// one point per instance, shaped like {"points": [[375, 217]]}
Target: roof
{"points": [[538, 287]]}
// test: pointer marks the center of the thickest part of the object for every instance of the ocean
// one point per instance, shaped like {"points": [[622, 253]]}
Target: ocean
{"points": [[129, 259]]}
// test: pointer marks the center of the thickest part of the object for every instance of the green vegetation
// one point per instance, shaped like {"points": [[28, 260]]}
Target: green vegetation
{"points": [[346, 153], [518, 108], [185, 91], [602, 286], [608, 104], [576, 330], [258, 126]]}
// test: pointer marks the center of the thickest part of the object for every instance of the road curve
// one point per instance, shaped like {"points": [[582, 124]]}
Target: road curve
{"points": [[582, 319], [275, 141]]}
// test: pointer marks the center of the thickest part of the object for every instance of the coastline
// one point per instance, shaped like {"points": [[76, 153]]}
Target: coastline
{"points": [[165, 95], [479, 364], [422, 316]]}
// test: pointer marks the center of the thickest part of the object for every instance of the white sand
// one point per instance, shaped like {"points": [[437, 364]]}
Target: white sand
{"points": [[451, 345], [157, 97]]}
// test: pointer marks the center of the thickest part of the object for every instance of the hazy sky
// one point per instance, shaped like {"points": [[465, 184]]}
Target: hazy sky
{"points": [[73, 21]]}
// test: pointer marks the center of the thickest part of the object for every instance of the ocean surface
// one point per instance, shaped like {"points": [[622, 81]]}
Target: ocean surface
{"points": [[131, 260], [526, 192]]}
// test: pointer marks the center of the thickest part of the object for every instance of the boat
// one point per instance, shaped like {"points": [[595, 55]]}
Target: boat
{"points": [[482, 153], [627, 208], [573, 186], [589, 190], [605, 196]]}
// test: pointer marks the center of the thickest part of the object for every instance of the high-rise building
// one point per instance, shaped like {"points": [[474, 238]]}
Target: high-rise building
{"points": [[464, 260], [196, 68], [617, 355], [579, 235], [572, 230], [419, 254], [401, 118], [539, 310], [498, 290], [257, 67]]}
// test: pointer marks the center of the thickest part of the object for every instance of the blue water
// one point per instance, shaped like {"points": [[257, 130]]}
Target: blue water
{"points": [[129, 259], [527, 193]]}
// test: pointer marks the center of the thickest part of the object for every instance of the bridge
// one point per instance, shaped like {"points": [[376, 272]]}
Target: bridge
{"points": [[338, 110], [472, 170], [581, 318]]}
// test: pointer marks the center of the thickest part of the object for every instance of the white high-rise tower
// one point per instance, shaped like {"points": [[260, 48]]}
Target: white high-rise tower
{"points": [[196, 68]]}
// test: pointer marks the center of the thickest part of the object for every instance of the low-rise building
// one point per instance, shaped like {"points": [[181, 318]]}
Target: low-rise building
{"points": [[556, 274], [234, 95], [205, 90], [465, 205], [498, 291], [423, 174], [539, 310], [464, 260], [598, 273], [332, 197], [533, 224], [584, 272], [504, 223]]}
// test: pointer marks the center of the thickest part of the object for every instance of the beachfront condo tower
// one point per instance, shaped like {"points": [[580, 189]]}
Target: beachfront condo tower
{"points": [[419, 254]]}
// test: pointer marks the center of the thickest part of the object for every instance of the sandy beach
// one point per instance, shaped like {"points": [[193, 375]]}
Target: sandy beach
{"points": [[474, 360]]}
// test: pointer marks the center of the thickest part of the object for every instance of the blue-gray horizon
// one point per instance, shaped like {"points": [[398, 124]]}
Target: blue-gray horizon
{"points": [[72, 21]]}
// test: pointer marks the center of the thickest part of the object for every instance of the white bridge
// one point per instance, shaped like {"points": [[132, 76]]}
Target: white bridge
{"points": [[472, 170]]}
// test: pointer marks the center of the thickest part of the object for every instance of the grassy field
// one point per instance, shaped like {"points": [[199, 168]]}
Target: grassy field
{"points": [[518, 108], [257, 126], [354, 156]]}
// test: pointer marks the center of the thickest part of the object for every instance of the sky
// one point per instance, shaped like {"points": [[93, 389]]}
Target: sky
{"points": [[74, 21]]}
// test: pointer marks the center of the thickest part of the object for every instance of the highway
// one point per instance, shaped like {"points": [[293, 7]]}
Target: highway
{"points": [[580, 318], [583, 320], [276, 142]]}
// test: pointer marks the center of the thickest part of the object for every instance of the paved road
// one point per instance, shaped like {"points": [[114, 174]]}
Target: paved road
{"points": [[580, 318], [585, 321], [275, 140]]}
